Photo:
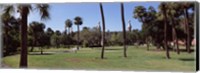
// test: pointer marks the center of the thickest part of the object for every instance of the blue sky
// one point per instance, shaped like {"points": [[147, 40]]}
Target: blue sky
{"points": [[90, 13]]}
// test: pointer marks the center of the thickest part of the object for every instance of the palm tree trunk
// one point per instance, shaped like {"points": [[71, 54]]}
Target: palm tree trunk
{"points": [[165, 32], [124, 29], [176, 41], [41, 50], [103, 34], [175, 37], [65, 31], [187, 31], [147, 43], [68, 30], [6, 37], [78, 42], [23, 57], [34, 43]]}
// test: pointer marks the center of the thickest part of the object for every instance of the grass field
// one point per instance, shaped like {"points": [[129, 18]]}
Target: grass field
{"points": [[89, 59]]}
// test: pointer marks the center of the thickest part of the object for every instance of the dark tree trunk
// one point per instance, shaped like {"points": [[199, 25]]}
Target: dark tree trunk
{"points": [[124, 29], [78, 42], [65, 31], [187, 31], [147, 43], [69, 31], [32, 47], [103, 34], [23, 57], [165, 32], [6, 38], [34, 43], [41, 50], [175, 40]]}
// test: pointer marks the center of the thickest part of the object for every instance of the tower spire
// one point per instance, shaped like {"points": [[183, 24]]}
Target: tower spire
{"points": [[129, 25]]}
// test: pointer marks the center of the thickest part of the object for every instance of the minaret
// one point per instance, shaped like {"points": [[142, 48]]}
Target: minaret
{"points": [[129, 26]]}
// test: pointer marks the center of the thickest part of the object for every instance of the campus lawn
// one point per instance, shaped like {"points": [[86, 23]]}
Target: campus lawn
{"points": [[89, 59]]}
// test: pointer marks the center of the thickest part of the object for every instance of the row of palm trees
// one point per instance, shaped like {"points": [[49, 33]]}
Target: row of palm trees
{"points": [[77, 21]]}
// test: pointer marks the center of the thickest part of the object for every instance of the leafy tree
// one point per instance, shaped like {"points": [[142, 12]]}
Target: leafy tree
{"points": [[10, 35], [173, 14], [163, 10], [36, 28], [142, 15], [185, 6], [49, 32]]}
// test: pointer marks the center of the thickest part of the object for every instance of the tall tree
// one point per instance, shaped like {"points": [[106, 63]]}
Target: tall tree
{"points": [[173, 14], [68, 24], [24, 10], [10, 34], [49, 32], [163, 11], [5, 18], [36, 28], [78, 21], [124, 29], [185, 7], [103, 33], [141, 14]]}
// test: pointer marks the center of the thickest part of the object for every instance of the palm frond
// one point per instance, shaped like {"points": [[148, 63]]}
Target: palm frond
{"points": [[44, 11]]}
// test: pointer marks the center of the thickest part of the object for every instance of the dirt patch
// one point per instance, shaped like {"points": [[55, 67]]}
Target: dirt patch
{"points": [[79, 60], [74, 60]]}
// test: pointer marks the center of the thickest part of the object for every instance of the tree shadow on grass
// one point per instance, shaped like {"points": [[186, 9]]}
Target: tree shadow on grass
{"points": [[184, 50], [40, 53], [188, 59], [101, 58], [112, 49], [181, 50]]}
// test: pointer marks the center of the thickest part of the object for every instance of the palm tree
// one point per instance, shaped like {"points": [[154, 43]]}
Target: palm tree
{"points": [[68, 24], [103, 33], [124, 29], [172, 13], [163, 11], [78, 21], [150, 19], [24, 10], [5, 18], [185, 7]]}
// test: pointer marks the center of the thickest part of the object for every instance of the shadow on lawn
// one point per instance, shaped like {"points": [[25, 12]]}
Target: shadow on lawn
{"points": [[113, 49], [181, 50], [40, 54], [188, 59]]}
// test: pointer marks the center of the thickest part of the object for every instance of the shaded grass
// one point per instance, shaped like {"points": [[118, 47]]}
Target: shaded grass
{"points": [[87, 58]]}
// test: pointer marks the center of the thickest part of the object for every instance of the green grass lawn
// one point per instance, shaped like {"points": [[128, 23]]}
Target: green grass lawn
{"points": [[89, 59]]}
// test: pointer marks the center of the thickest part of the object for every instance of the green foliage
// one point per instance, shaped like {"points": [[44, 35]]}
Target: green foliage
{"points": [[55, 40], [91, 37]]}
